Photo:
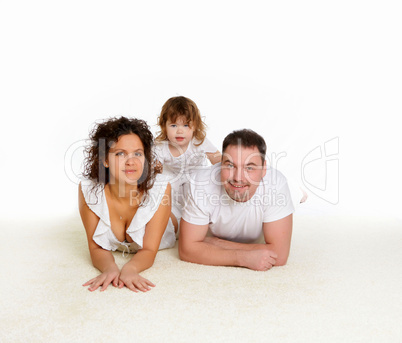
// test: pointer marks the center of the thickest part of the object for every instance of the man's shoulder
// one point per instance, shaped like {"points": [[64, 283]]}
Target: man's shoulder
{"points": [[208, 174], [202, 186], [274, 178], [205, 180]]}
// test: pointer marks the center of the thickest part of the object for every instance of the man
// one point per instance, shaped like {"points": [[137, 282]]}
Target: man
{"points": [[237, 202]]}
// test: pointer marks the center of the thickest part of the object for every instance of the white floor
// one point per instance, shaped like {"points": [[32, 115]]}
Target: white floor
{"points": [[342, 283]]}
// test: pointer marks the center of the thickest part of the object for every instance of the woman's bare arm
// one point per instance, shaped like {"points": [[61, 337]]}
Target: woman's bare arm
{"points": [[101, 259], [145, 257]]}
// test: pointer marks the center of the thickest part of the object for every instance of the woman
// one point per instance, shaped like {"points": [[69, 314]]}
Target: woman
{"points": [[123, 204]]}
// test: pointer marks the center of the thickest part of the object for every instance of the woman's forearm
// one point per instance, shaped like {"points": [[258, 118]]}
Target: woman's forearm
{"points": [[102, 259], [142, 260]]}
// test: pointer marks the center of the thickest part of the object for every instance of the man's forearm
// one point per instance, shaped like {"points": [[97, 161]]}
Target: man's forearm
{"points": [[209, 254], [244, 248], [214, 255], [195, 247], [234, 245]]}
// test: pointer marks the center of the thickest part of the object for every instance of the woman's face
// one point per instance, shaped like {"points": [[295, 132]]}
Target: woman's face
{"points": [[126, 159]]}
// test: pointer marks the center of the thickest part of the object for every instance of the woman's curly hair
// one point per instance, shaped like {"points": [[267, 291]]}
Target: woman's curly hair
{"points": [[102, 137]]}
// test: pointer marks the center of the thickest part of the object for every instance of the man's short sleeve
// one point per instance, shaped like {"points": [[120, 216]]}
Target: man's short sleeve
{"points": [[280, 204], [193, 211]]}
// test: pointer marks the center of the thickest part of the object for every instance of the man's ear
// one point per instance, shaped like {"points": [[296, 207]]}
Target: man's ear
{"points": [[264, 168]]}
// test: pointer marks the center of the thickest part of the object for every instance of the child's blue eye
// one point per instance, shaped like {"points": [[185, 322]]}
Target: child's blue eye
{"points": [[173, 125]]}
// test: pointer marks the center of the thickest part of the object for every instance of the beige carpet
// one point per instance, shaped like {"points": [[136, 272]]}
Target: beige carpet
{"points": [[342, 283]]}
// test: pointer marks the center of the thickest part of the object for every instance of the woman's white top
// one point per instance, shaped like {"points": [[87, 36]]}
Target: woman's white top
{"points": [[104, 235]]}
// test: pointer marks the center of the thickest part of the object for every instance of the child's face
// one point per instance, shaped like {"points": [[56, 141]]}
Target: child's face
{"points": [[180, 132]]}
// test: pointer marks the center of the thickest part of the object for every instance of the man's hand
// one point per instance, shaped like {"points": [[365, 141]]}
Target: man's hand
{"points": [[261, 259], [252, 256]]}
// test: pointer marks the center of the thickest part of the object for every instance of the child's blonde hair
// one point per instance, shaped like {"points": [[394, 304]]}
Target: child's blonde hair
{"points": [[181, 106]]}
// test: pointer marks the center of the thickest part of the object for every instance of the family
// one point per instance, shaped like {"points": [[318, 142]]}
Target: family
{"points": [[139, 195]]}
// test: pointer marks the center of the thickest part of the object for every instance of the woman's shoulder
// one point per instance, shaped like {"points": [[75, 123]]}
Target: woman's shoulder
{"points": [[155, 194], [160, 183], [94, 196], [151, 204], [89, 188], [92, 191]]}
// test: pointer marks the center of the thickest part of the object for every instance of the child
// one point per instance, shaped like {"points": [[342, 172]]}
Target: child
{"points": [[181, 145]]}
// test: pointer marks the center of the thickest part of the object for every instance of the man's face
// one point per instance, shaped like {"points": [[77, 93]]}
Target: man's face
{"points": [[242, 171]]}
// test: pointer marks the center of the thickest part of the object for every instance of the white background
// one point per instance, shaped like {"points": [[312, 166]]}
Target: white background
{"points": [[300, 73]]}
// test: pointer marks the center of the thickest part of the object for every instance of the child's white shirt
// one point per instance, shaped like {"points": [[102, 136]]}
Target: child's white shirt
{"points": [[193, 157], [179, 170]]}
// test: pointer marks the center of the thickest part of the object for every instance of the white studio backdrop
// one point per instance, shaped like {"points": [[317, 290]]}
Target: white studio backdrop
{"points": [[320, 81]]}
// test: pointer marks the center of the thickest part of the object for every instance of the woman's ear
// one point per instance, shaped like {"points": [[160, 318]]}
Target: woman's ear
{"points": [[105, 164]]}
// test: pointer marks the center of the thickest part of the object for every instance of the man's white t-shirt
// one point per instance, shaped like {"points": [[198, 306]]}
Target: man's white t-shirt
{"points": [[208, 203]]}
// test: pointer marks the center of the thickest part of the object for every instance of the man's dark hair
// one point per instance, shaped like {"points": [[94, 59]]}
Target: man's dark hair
{"points": [[246, 138]]}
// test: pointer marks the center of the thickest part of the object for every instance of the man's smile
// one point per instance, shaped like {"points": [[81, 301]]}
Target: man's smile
{"points": [[238, 185]]}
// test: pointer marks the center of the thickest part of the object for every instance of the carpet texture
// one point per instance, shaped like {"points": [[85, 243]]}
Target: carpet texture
{"points": [[342, 283]]}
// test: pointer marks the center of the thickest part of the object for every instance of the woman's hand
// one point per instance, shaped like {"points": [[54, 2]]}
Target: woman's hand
{"points": [[109, 276], [134, 281]]}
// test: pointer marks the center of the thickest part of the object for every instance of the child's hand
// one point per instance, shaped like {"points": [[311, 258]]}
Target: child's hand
{"points": [[110, 275], [134, 281], [158, 167]]}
